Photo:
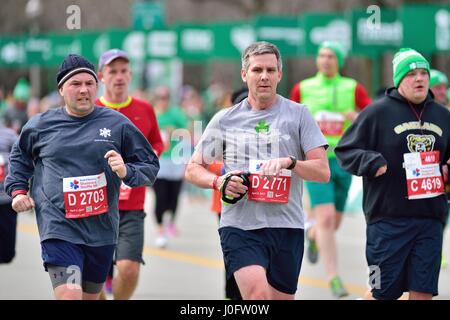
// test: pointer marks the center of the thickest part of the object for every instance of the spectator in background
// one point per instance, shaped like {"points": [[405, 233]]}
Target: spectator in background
{"points": [[33, 107], [3, 104], [172, 163], [51, 101], [438, 85], [114, 71], [8, 217], [212, 97], [192, 104], [16, 113], [448, 97], [231, 287], [334, 101]]}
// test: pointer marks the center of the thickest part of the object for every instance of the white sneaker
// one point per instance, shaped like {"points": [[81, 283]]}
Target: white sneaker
{"points": [[161, 241], [309, 223]]}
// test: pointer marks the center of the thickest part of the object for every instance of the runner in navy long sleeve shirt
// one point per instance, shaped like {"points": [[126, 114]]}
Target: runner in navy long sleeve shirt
{"points": [[74, 158], [55, 145]]}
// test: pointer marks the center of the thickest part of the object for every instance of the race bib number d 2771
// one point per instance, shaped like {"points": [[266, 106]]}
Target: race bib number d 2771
{"points": [[423, 175], [274, 190], [85, 196]]}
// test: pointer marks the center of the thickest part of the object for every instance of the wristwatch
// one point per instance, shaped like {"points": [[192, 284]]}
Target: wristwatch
{"points": [[294, 162]]}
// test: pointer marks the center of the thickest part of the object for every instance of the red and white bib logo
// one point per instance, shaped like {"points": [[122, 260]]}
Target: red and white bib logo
{"points": [[165, 136], [423, 175], [125, 192], [2, 169], [85, 196], [330, 123], [275, 190]]}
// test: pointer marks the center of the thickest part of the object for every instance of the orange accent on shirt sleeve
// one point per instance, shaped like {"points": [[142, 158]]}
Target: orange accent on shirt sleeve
{"points": [[295, 93], [17, 192], [154, 137], [362, 99]]}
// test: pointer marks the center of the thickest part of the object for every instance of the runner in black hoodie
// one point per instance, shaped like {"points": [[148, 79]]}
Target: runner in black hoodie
{"points": [[399, 145]]}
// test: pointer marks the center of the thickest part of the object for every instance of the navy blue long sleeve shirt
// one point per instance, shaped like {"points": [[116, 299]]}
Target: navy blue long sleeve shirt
{"points": [[54, 146]]}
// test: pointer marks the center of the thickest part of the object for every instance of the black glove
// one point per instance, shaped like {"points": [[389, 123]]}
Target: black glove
{"points": [[228, 199]]}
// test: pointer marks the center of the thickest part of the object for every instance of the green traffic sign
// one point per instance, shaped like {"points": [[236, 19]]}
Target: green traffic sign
{"points": [[12, 51], [161, 44], [231, 39], [375, 30], [426, 28], [195, 42], [285, 32], [369, 31], [320, 27], [147, 15]]}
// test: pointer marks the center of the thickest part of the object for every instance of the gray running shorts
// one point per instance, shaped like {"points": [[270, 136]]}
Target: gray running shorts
{"points": [[131, 236]]}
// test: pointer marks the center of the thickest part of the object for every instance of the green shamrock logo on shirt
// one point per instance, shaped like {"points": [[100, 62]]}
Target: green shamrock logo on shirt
{"points": [[262, 127]]}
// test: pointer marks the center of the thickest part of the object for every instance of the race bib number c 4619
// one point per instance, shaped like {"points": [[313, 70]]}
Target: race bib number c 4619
{"points": [[423, 175], [85, 196], [274, 190], [330, 123]]}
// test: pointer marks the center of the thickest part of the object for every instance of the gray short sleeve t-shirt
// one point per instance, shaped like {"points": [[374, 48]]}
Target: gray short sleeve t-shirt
{"points": [[240, 134]]}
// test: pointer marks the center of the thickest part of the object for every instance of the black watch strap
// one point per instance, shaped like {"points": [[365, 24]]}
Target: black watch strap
{"points": [[294, 162]]}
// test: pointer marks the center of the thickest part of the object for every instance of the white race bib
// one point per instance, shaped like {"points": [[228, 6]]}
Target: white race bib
{"points": [[423, 175], [85, 196], [275, 190], [330, 123]]}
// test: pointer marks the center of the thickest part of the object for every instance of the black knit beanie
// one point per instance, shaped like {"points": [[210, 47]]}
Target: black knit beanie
{"points": [[72, 65]]}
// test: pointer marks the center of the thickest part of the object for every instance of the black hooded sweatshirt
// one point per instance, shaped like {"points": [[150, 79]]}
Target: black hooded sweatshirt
{"points": [[381, 134]]}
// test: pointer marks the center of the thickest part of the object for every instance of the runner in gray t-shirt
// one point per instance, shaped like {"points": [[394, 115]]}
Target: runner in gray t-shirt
{"points": [[262, 234]]}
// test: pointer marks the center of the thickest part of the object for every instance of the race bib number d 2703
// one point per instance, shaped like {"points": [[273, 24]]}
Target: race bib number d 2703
{"points": [[85, 196], [274, 190]]}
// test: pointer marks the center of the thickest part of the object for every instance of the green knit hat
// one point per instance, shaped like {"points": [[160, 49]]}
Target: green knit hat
{"points": [[405, 60], [21, 90], [437, 77], [338, 50]]}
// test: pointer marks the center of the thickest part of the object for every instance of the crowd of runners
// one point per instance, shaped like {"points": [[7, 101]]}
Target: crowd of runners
{"points": [[84, 166]]}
